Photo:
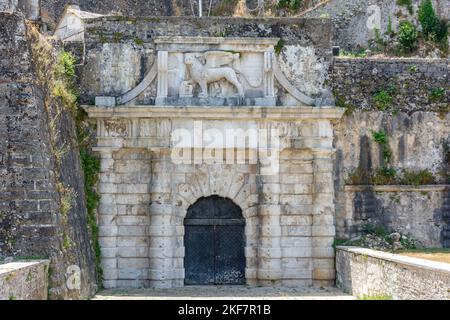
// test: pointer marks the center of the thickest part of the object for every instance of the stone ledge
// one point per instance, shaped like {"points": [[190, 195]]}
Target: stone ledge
{"points": [[404, 260], [394, 60], [24, 280], [216, 113], [369, 273], [397, 188]]}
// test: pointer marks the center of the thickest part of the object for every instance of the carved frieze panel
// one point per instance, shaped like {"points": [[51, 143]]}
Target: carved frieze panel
{"points": [[215, 71]]}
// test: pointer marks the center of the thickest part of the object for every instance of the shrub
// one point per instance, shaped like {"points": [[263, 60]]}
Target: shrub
{"points": [[407, 36], [432, 28], [65, 67], [384, 176], [427, 18], [382, 99], [417, 178], [380, 137], [293, 5], [436, 94]]}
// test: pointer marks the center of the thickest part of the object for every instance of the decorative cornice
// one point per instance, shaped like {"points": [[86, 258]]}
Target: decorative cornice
{"points": [[216, 113]]}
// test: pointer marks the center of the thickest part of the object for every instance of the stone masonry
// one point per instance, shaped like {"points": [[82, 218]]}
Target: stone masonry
{"points": [[289, 216]]}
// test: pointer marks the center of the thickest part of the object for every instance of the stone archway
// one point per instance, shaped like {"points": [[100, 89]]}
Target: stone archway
{"points": [[214, 241], [224, 181]]}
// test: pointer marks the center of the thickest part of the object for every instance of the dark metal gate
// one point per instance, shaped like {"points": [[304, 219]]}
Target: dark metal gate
{"points": [[214, 242]]}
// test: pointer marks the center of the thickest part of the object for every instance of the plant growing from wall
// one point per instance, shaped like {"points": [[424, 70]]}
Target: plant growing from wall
{"points": [[433, 28], [436, 95], [407, 36], [390, 29], [382, 99], [417, 178], [279, 46], [427, 18], [385, 175], [91, 169], [56, 74], [292, 5]]}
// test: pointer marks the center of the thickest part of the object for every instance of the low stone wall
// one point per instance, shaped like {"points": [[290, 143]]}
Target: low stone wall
{"points": [[365, 272], [27, 280], [422, 212], [398, 84]]}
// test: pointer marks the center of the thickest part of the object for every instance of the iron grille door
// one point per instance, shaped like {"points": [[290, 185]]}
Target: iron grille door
{"points": [[214, 243]]}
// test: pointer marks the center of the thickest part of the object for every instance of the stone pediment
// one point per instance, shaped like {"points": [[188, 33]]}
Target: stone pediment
{"points": [[214, 71]]}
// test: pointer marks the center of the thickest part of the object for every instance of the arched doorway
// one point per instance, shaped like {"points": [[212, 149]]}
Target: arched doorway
{"points": [[214, 242]]}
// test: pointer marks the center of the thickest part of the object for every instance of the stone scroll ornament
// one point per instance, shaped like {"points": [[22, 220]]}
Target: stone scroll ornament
{"points": [[212, 67]]}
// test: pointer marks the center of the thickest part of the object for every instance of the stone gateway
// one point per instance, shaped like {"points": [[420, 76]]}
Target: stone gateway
{"points": [[220, 181]]}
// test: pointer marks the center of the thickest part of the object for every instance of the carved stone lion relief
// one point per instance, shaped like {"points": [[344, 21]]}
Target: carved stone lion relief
{"points": [[214, 71], [217, 66]]}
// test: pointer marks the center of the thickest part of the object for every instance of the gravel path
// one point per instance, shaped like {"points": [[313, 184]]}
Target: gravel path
{"points": [[224, 293]]}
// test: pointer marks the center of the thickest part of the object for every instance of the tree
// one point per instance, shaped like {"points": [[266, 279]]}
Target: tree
{"points": [[428, 19]]}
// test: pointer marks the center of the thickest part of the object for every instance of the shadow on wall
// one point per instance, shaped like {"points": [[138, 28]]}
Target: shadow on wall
{"points": [[443, 214]]}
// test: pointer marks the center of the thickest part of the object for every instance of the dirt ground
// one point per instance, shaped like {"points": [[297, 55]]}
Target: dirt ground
{"points": [[433, 255], [225, 293]]}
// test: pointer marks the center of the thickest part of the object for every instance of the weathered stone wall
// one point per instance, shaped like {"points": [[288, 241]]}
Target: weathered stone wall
{"points": [[422, 211], [31, 218], [355, 20], [24, 280], [120, 51], [414, 117], [53, 9], [417, 142], [369, 273], [412, 84], [8, 5]]}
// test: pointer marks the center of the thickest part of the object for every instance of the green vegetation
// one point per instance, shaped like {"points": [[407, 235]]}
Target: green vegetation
{"points": [[67, 243], [390, 30], [56, 75], [279, 46], [376, 236], [384, 176], [117, 36], [341, 103], [359, 54], [417, 178], [413, 69], [139, 41], [436, 95], [407, 36], [379, 39], [292, 5], [91, 169], [382, 99], [89, 164], [64, 81], [432, 28], [380, 137]]}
